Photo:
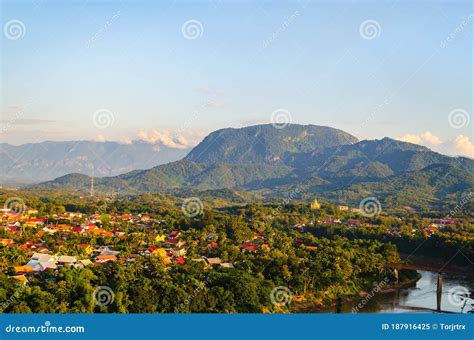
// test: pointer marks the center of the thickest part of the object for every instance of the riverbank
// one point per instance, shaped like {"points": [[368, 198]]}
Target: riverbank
{"points": [[412, 296], [405, 284], [309, 303]]}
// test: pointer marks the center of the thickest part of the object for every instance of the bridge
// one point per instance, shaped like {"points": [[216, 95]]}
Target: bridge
{"points": [[440, 269], [425, 267]]}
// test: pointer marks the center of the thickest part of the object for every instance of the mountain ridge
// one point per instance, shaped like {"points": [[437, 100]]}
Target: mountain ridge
{"points": [[38, 162], [318, 160], [265, 143]]}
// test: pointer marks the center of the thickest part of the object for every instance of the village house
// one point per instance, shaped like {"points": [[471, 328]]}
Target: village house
{"points": [[35, 222], [180, 260], [249, 247], [432, 229], [212, 245], [11, 228], [20, 270], [160, 238], [144, 218], [21, 278], [40, 266], [82, 264], [66, 260], [41, 249], [226, 265], [43, 257], [212, 260], [49, 230], [298, 226], [352, 222], [105, 258], [162, 253], [180, 251], [62, 227], [216, 261], [6, 242], [445, 222], [87, 248], [109, 251]]}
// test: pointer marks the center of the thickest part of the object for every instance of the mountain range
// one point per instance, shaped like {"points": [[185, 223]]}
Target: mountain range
{"points": [[38, 162], [312, 160]]}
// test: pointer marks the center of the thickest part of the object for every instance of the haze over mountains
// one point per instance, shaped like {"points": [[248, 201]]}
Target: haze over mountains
{"points": [[315, 160], [37, 162]]}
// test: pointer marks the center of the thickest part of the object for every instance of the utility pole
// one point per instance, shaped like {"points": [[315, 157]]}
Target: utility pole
{"points": [[439, 291], [92, 182]]}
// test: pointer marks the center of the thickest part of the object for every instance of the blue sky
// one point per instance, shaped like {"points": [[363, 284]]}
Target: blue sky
{"points": [[131, 59]]}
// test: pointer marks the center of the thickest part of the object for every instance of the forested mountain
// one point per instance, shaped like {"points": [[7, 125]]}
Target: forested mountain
{"points": [[312, 159]]}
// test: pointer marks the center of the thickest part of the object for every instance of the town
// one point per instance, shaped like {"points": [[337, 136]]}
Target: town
{"points": [[37, 246]]}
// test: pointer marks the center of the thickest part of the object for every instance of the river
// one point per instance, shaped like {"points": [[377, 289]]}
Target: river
{"points": [[421, 298]]}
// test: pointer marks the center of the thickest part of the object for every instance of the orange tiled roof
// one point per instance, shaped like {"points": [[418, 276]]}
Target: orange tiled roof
{"points": [[106, 258], [23, 269], [20, 278]]}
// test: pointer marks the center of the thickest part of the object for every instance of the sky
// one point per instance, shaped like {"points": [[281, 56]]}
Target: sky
{"points": [[172, 71]]}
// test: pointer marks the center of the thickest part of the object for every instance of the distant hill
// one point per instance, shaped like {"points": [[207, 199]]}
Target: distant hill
{"points": [[269, 162], [438, 185], [38, 162], [372, 160]]}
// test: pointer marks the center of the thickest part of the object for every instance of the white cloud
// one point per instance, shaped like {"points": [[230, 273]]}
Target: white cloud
{"points": [[100, 138], [464, 146], [210, 91], [214, 104], [460, 146], [171, 138], [426, 138]]}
